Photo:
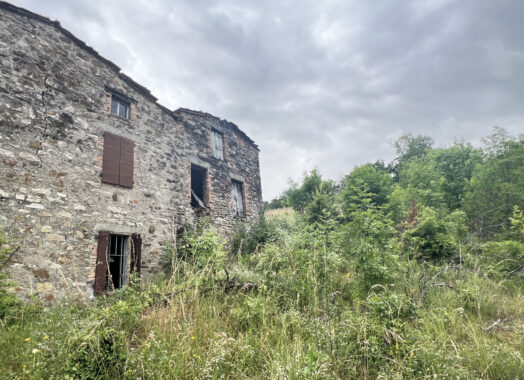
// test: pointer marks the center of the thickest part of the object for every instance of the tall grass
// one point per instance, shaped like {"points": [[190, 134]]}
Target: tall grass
{"points": [[307, 316]]}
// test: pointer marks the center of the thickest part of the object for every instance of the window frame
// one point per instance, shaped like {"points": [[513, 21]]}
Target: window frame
{"points": [[118, 157], [240, 186], [120, 103], [218, 154], [204, 172], [131, 253], [123, 258]]}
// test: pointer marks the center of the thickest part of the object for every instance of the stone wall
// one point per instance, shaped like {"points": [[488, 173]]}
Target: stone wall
{"points": [[54, 112]]}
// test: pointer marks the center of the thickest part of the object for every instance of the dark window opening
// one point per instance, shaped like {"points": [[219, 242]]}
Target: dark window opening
{"points": [[198, 186], [117, 258], [113, 253], [119, 107]]}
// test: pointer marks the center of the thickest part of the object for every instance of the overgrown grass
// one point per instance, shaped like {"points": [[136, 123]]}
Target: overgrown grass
{"points": [[308, 316]]}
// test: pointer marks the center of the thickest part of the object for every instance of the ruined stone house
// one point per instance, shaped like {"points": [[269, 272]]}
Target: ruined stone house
{"points": [[95, 174]]}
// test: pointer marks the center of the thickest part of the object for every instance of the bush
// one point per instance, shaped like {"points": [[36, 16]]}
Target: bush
{"points": [[199, 250], [435, 236], [248, 238]]}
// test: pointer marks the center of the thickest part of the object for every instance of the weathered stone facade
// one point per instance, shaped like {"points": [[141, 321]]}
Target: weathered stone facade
{"points": [[55, 106]]}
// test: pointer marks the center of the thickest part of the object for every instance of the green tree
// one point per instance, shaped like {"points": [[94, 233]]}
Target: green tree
{"points": [[299, 196], [276, 203], [497, 184], [440, 179], [378, 183], [408, 147], [456, 165], [321, 208], [366, 237]]}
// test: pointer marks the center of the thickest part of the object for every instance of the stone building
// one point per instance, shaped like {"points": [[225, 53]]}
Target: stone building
{"points": [[95, 174]]}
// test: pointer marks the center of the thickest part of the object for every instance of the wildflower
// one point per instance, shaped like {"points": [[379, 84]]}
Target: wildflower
{"points": [[24, 366], [46, 337], [412, 352], [366, 342], [35, 351], [193, 338], [27, 339], [194, 355]]}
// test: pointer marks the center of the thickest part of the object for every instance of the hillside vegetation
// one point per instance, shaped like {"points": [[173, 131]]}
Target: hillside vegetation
{"points": [[412, 269]]}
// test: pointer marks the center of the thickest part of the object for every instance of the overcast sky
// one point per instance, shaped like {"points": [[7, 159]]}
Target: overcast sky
{"points": [[325, 84]]}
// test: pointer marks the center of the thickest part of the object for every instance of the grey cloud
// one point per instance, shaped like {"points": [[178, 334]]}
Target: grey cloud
{"points": [[325, 84]]}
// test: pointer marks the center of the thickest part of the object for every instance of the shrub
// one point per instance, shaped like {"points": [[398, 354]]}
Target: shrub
{"points": [[435, 236]]}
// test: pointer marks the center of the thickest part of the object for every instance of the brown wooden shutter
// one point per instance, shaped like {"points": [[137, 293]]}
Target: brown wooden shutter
{"points": [[136, 253], [111, 160], [101, 262], [127, 148]]}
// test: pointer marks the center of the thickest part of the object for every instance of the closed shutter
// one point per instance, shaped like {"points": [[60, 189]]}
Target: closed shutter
{"points": [[218, 146], [127, 148], [118, 160], [136, 253], [238, 199], [111, 159], [101, 262]]}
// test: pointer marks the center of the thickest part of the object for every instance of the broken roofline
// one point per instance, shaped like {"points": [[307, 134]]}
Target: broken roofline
{"points": [[208, 115], [133, 84]]}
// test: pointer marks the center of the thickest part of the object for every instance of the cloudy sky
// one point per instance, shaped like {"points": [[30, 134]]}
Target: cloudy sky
{"points": [[326, 84]]}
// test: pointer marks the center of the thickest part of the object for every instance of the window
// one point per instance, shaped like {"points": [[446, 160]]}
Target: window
{"points": [[117, 164], [198, 186], [119, 107], [116, 275], [238, 198], [217, 139], [118, 256]]}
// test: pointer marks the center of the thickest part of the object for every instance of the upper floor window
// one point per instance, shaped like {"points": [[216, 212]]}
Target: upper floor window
{"points": [[119, 107], [118, 160], [217, 140]]}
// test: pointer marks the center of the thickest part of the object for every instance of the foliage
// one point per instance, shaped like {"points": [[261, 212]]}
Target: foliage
{"points": [[298, 197], [248, 239], [8, 302], [321, 207], [275, 203], [374, 279], [409, 147], [434, 236], [496, 184], [199, 249], [316, 313], [378, 182], [455, 166]]}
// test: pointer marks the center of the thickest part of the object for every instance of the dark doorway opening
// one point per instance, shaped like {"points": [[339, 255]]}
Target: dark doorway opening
{"points": [[198, 186], [117, 261]]}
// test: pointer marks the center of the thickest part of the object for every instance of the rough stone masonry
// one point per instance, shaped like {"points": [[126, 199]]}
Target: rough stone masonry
{"points": [[87, 152]]}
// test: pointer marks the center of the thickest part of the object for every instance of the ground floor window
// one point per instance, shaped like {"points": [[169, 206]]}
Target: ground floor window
{"points": [[117, 260]]}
